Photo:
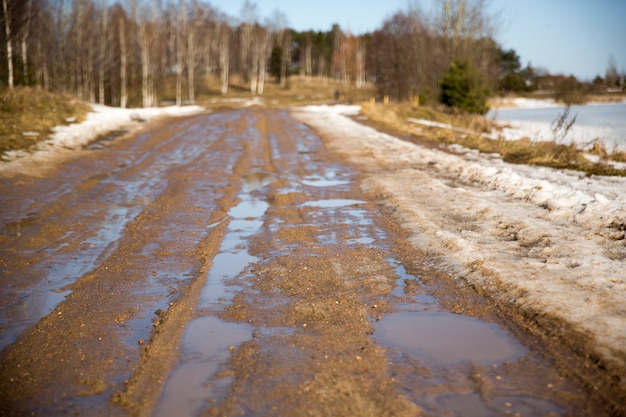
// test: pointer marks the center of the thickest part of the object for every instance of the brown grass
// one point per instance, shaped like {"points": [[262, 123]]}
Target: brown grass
{"points": [[468, 134], [33, 110], [299, 90]]}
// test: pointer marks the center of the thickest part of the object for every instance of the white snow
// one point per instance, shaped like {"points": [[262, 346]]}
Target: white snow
{"points": [[103, 119], [532, 118], [540, 239], [525, 103]]}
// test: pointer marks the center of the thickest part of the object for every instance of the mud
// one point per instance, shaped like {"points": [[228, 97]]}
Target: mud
{"points": [[229, 264]]}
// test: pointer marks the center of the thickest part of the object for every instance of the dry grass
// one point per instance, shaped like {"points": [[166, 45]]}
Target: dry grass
{"points": [[468, 132], [25, 110], [27, 116], [299, 90]]}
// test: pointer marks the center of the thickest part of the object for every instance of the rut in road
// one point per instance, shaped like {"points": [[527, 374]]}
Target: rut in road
{"points": [[230, 264]]}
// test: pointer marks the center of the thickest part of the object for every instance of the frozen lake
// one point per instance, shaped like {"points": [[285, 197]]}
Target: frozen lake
{"points": [[606, 122]]}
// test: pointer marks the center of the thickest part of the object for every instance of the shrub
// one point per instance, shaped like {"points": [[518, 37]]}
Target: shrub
{"points": [[462, 88]]}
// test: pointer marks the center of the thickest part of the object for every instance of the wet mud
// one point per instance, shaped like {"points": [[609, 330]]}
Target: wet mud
{"points": [[229, 264]]}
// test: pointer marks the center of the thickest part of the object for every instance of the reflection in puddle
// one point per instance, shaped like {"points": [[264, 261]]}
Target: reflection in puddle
{"points": [[207, 339], [233, 257], [248, 208], [446, 339], [205, 344], [466, 405], [257, 180], [15, 318], [333, 203]]}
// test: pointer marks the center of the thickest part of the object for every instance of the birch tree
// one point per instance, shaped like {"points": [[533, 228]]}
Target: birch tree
{"points": [[147, 39], [6, 7], [24, 38], [249, 16], [193, 27], [123, 47], [224, 55], [104, 24]]}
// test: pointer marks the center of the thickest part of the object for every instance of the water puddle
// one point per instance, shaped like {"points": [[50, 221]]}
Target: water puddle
{"points": [[17, 317], [206, 344], [443, 339], [328, 180], [97, 243], [233, 257], [207, 340], [101, 141], [257, 180], [333, 203]]}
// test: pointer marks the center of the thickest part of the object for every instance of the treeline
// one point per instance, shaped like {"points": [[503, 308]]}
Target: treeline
{"points": [[142, 52]]}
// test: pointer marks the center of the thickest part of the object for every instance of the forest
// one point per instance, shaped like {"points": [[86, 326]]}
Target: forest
{"points": [[144, 52]]}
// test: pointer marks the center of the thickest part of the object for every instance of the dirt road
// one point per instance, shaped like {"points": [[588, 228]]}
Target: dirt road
{"points": [[229, 264]]}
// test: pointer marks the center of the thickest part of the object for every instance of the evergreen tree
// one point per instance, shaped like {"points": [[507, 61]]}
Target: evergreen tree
{"points": [[462, 88]]}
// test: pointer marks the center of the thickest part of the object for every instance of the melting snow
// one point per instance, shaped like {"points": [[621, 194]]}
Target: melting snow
{"points": [[543, 240], [102, 120]]}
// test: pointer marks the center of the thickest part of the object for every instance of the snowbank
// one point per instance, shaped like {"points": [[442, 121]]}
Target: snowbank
{"points": [[543, 240]]}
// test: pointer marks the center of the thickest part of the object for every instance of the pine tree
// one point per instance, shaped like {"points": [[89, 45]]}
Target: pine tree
{"points": [[462, 88]]}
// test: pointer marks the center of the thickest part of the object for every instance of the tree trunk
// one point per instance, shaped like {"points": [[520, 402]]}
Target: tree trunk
{"points": [[308, 67], [102, 48], [191, 54], [224, 58], [285, 59], [123, 64], [7, 29]]}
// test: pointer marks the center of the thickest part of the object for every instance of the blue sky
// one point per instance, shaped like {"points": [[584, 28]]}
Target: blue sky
{"points": [[563, 36]]}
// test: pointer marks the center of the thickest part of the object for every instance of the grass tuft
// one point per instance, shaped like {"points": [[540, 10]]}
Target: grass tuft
{"points": [[468, 130]]}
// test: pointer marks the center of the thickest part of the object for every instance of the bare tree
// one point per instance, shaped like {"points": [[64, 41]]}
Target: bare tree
{"points": [[359, 62], [123, 46], [308, 47], [6, 7], [224, 53], [178, 34], [193, 29], [103, 50], [249, 16], [611, 77], [24, 38], [147, 38]]}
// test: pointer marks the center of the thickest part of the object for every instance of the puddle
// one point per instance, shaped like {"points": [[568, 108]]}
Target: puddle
{"points": [[15, 227], [248, 208], [332, 203], [101, 141], [97, 243], [257, 180], [443, 339], [466, 405], [328, 180], [207, 339], [206, 344], [17, 317]]}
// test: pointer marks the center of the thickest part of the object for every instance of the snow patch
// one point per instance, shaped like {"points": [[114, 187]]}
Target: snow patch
{"points": [[102, 120], [544, 240]]}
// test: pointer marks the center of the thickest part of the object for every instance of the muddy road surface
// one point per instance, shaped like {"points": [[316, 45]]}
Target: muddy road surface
{"points": [[228, 264]]}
